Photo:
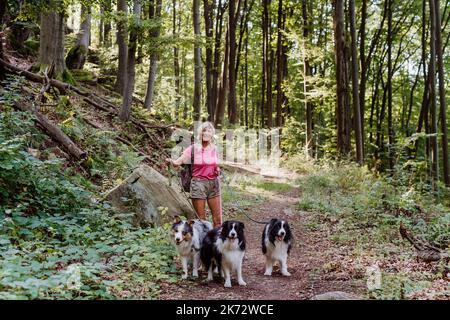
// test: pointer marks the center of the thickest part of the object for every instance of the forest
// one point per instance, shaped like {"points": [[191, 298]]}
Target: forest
{"points": [[91, 92]]}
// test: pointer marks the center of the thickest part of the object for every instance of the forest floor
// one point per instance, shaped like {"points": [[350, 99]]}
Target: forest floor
{"points": [[309, 261]]}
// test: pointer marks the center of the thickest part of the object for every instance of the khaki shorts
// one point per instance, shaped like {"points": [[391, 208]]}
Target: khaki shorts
{"points": [[205, 189]]}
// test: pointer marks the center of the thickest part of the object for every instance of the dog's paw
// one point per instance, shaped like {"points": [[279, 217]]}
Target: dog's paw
{"points": [[184, 276], [268, 273], [286, 273], [195, 274], [210, 278], [227, 284], [242, 283]]}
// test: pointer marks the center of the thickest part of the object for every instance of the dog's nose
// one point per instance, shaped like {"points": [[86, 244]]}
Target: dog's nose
{"points": [[177, 239], [233, 234], [282, 233]]}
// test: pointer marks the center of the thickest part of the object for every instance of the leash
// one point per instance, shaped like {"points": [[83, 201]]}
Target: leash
{"points": [[240, 209]]}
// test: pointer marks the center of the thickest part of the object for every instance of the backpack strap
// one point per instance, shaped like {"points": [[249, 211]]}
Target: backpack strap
{"points": [[192, 158]]}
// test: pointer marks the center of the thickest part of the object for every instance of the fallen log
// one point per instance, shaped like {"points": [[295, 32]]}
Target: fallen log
{"points": [[425, 251], [55, 132]]}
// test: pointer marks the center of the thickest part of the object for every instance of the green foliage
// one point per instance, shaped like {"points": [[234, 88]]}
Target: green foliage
{"points": [[56, 240], [363, 210]]}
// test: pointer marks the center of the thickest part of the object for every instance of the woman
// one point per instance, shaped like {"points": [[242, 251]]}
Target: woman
{"points": [[205, 186]]}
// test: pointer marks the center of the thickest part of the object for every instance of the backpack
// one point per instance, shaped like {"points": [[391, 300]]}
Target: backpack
{"points": [[186, 173]]}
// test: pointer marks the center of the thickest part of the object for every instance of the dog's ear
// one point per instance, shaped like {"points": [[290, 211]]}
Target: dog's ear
{"points": [[191, 222], [176, 219], [241, 225]]}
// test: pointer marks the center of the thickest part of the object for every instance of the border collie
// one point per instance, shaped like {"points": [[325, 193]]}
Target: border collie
{"points": [[188, 237], [276, 244], [225, 247]]}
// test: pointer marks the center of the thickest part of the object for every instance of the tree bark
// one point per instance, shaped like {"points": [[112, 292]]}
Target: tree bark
{"points": [[220, 110], [78, 54], [307, 74], [442, 102], [342, 112], [125, 111], [155, 14], [216, 67], [391, 138], [197, 62], [280, 61], [355, 87], [232, 62], [51, 46], [208, 8], [433, 105], [123, 48], [107, 24], [176, 62]]}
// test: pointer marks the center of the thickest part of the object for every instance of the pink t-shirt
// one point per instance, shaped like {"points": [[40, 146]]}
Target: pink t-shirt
{"points": [[205, 161]]}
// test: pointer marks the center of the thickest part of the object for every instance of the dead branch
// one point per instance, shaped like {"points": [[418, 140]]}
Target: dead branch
{"points": [[54, 132], [426, 252]]}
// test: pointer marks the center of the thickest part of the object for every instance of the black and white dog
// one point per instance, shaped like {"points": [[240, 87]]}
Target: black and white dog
{"points": [[188, 237], [225, 247], [276, 244]]}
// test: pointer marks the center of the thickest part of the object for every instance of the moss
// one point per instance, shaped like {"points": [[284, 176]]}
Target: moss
{"points": [[82, 75]]}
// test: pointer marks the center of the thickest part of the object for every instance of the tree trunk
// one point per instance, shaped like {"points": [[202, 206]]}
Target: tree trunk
{"points": [[433, 113], [307, 73], [176, 62], [208, 8], [2, 14], [342, 112], [280, 60], [123, 48], [220, 110], [390, 74], [78, 54], [107, 24], [217, 50], [442, 101], [265, 18], [155, 14], [232, 62], [355, 87], [269, 69], [197, 62], [51, 46], [125, 111]]}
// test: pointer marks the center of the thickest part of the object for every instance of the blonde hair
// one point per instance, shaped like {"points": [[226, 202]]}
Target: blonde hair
{"points": [[203, 126]]}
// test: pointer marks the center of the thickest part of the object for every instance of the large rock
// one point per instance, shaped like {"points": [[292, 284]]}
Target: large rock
{"points": [[144, 191], [336, 295]]}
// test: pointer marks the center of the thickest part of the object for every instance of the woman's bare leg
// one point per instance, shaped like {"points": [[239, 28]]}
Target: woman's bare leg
{"points": [[199, 206], [215, 204]]}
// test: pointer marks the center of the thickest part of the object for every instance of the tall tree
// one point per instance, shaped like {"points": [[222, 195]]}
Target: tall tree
{"points": [[155, 15], [232, 112], [442, 102], [125, 111], [197, 61], [176, 60], [77, 55], [433, 104], [306, 74], [342, 110], [123, 48], [390, 74], [280, 61], [355, 86], [51, 45], [208, 7], [2, 14]]}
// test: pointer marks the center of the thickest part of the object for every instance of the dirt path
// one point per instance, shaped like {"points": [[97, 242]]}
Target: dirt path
{"points": [[311, 252]]}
